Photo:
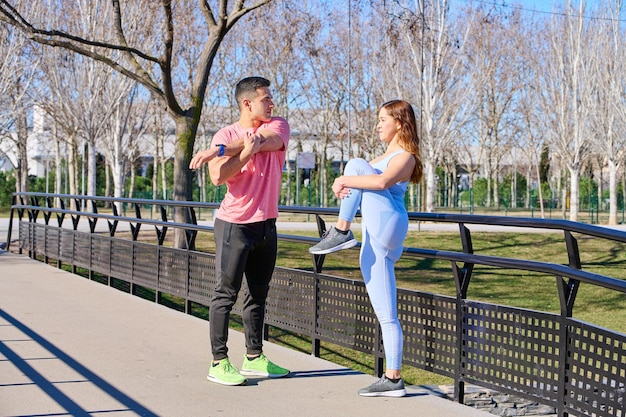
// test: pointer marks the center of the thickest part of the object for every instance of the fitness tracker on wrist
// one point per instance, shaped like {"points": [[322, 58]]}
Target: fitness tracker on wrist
{"points": [[222, 147]]}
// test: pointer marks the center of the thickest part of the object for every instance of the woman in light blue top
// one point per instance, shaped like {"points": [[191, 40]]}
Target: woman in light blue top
{"points": [[378, 188]]}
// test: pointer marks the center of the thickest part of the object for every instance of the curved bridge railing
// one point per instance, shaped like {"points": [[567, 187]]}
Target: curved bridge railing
{"points": [[552, 358]]}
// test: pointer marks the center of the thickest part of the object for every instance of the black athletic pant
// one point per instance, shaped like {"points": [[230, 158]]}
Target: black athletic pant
{"points": [[241, 250]]}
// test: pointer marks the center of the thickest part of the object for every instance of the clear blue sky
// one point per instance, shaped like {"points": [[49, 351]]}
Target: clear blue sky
{"points": [[547, 7]]}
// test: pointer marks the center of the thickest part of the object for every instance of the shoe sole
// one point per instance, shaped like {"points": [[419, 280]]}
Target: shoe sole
{"points": [[222, 382], [396, 393], [345, 245], [260, 373]]}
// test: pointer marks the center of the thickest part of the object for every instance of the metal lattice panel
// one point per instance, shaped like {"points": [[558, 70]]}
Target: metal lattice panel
{"points": [[53, 239], [596, 371], [202, 279], [39, 242], [121, 259], [67, 246], [512, 348], [82, 248], [101, 254], [173, 271], [429, 327], [25, 235], [291, 301], [344, 314], [145, 257]]}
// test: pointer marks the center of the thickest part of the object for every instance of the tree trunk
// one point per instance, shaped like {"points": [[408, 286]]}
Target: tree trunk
{"points": [[186, 129], [541, 205], [58, 175], [117, 169], [72, 167], [107, 183], [563, 187], [155, 172], [612, 192], [131, 186], [573, 199], [21, 183], [429, 171], [91, 167]]}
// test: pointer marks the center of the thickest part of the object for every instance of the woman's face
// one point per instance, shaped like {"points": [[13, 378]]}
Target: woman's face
{"points": [[387, 127]]}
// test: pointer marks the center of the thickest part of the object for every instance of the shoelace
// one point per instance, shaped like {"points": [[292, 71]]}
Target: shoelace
{"points": [[229, 368], [381, 381]]}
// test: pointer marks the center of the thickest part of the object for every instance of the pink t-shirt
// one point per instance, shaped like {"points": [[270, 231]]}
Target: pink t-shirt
{"points": [[253, 193]]}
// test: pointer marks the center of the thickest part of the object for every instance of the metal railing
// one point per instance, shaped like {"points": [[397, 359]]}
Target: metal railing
{"points": [[551, 358]]}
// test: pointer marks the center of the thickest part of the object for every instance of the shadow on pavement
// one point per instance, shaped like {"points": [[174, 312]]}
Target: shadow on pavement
{"points": [[51, 388]]}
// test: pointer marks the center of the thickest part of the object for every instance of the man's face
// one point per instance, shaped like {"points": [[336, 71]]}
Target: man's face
{"points": [[261, 106]]}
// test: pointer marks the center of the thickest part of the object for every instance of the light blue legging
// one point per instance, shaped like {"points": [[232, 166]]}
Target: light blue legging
{"points": [[384, 224]]}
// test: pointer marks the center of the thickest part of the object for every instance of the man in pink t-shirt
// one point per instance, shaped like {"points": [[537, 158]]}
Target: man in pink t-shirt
{"points": [[248, 157]]}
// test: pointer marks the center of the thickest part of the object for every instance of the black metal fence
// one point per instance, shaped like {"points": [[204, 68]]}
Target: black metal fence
{"points": [[554, 359]]}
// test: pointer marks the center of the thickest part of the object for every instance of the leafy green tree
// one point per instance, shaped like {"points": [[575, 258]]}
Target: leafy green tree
{"points": [[7, 188]]}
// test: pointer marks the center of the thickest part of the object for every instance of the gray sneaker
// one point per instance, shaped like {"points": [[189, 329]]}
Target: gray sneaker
{"points": [[333, 241], [384, 388]]}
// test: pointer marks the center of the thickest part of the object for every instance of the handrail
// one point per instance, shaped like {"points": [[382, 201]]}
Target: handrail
{"points": [[512, 263], [550, 224]]}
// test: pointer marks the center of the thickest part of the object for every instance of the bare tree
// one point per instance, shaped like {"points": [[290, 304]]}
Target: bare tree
{"points": [[438, 63], [493, 69], [154, 68], [58, 78], [609, 111], [532, 141], [325, 92], [268, 52], [567, 95], [17, 70], [124, 127]]}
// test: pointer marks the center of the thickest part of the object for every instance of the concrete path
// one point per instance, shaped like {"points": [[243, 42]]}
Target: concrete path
{"points": [[69, 346]]}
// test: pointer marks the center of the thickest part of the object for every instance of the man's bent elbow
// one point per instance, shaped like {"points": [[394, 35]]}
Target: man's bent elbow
{"points": [[217, 181]]}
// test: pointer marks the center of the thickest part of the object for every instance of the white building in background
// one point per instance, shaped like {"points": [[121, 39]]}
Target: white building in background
{"points": [[39, 147]]}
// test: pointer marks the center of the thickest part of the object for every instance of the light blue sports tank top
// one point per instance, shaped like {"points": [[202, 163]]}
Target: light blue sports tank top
{"points": [[398, 189]]}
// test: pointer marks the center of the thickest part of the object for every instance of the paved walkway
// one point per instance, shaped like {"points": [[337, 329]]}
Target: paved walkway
{"points": [[69, 346]]}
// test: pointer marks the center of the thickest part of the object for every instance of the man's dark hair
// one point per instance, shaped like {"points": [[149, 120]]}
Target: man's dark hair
{"points": [[246, 88]]}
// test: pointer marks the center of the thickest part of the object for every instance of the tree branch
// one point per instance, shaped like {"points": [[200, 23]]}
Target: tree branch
{"points": [[119, 31], [239, 10], [80, 45], [11, 16], [166, 60], [208, 13], [147, 82]]}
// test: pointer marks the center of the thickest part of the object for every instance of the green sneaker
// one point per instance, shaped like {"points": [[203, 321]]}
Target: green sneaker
{"points": [[262, 366], [226, 374]]}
